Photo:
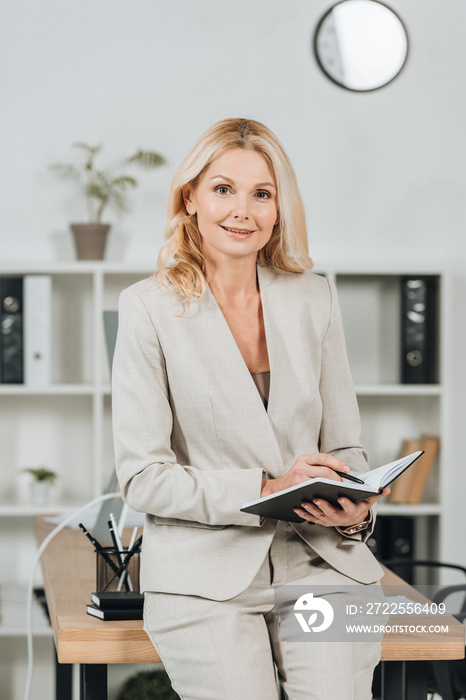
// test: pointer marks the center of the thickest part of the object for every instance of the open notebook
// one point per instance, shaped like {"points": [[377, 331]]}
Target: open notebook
{"points": [[280, 505]]}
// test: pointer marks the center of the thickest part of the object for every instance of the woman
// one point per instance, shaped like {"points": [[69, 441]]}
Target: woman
{"points": [[230, 382]]}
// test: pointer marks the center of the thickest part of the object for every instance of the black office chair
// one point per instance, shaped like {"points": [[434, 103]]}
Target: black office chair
{"points": [[447, 678]]}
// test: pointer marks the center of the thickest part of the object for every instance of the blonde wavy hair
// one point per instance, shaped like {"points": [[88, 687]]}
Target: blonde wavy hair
{"points": [[181, 264]]}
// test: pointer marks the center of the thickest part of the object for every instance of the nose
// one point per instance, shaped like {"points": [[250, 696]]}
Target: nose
{"points": [[240, 206]]}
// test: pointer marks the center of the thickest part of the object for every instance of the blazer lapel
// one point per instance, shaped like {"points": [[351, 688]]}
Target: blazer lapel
{"points": [[266, 278], [276, 309], [238, 377]]}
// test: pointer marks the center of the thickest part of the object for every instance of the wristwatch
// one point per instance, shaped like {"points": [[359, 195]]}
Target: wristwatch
{"points": [[359, 527]]}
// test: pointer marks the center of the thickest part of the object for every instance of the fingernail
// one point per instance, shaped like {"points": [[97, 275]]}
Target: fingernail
{"points": [[317, 503], [346, 468]]}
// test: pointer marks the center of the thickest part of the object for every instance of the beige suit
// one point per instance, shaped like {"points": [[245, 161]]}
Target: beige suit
{"points": [[193, 440]]}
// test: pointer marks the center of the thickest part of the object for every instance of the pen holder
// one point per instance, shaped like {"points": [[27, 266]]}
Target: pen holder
{"points": [[117, 570]]}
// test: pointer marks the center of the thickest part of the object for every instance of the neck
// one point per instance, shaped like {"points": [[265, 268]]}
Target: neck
{"points": [[235, 279]]}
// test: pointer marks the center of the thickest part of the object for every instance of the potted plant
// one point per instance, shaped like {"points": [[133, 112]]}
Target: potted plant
{"points": [[148, 685], [42, 479], [100, 189]]}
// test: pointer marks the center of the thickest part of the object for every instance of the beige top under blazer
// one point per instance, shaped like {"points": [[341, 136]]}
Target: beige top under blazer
{"points": [[193, 440]]}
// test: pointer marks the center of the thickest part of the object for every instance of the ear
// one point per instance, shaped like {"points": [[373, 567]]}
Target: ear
{"points": [[277, 219], [188, 200]]}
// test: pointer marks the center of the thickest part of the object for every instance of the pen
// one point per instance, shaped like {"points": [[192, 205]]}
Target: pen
{"points": [[92, 539], [125, 573], [112, 526], [350, 477], [98, 547], [133, 538], [136, 545]]}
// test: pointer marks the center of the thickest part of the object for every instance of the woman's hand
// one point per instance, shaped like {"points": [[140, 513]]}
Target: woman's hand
{"points": [[304, 468], [323, 513], [325, 466]]}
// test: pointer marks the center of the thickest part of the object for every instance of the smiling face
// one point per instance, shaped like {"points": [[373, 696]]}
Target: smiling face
{"points": [[236, 205]]}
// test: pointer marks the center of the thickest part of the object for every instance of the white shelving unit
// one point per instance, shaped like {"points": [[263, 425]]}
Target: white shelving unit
{"points": [[370, 300], [67, 426]]}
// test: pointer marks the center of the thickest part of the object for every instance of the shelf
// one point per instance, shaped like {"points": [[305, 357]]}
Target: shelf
{"points": [[52, 390], [409, 509], [78, 267], [130, 267], [38, 631], [398, 389], [375, 270], [104, 389], [13, 510]]}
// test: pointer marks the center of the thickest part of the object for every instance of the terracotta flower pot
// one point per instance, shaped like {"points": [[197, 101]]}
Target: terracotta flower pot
{"points": [[90, 240]]}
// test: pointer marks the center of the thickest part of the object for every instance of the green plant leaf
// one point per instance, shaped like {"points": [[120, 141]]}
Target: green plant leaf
{"points": [[95, 191], [41, 473], [91, 152], [147, 159], [123, 182], [100, 179]]}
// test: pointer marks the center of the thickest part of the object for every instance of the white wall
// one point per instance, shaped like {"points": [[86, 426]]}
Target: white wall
{"points": [[382, 174]]}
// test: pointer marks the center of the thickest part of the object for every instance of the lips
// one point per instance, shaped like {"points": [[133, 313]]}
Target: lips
{"points": [[238, 232]]}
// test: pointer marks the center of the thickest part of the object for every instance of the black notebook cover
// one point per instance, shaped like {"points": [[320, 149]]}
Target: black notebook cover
{"points": [[122, 614], [117, 600], [281, 507]]}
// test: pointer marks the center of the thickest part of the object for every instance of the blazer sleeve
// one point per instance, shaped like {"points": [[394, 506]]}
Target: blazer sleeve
{"points": [[150, 478], [341, 427]]}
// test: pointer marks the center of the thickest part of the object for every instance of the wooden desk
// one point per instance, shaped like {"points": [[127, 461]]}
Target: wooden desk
{"points": [[68, 566]]}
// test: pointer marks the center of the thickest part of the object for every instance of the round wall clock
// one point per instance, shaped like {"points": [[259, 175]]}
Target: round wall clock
{"points": [[361, 45]]}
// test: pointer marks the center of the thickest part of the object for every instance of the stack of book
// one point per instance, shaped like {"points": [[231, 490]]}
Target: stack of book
{"points": [[118, 605], [411, 486]]}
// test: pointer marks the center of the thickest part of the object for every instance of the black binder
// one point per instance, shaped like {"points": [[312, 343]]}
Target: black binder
{"points": [[11, 335], [393, 538], [419, 330]]}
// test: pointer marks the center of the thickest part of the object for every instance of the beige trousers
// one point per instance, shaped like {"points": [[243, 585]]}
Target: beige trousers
{"points": [[225, 650]]}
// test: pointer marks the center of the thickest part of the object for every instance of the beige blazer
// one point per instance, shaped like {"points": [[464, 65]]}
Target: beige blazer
{"points": [[193, 439]]}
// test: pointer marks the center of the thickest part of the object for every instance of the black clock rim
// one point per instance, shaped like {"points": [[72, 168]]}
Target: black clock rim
{"points": [[337, 82]]}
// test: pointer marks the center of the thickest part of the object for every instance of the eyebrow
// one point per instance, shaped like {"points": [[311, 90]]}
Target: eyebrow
{"points": [[227, 179]]}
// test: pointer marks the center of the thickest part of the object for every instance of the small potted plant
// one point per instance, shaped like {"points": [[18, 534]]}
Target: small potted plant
{"points": [[148, 685], [100, 189], [42, 480]]}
